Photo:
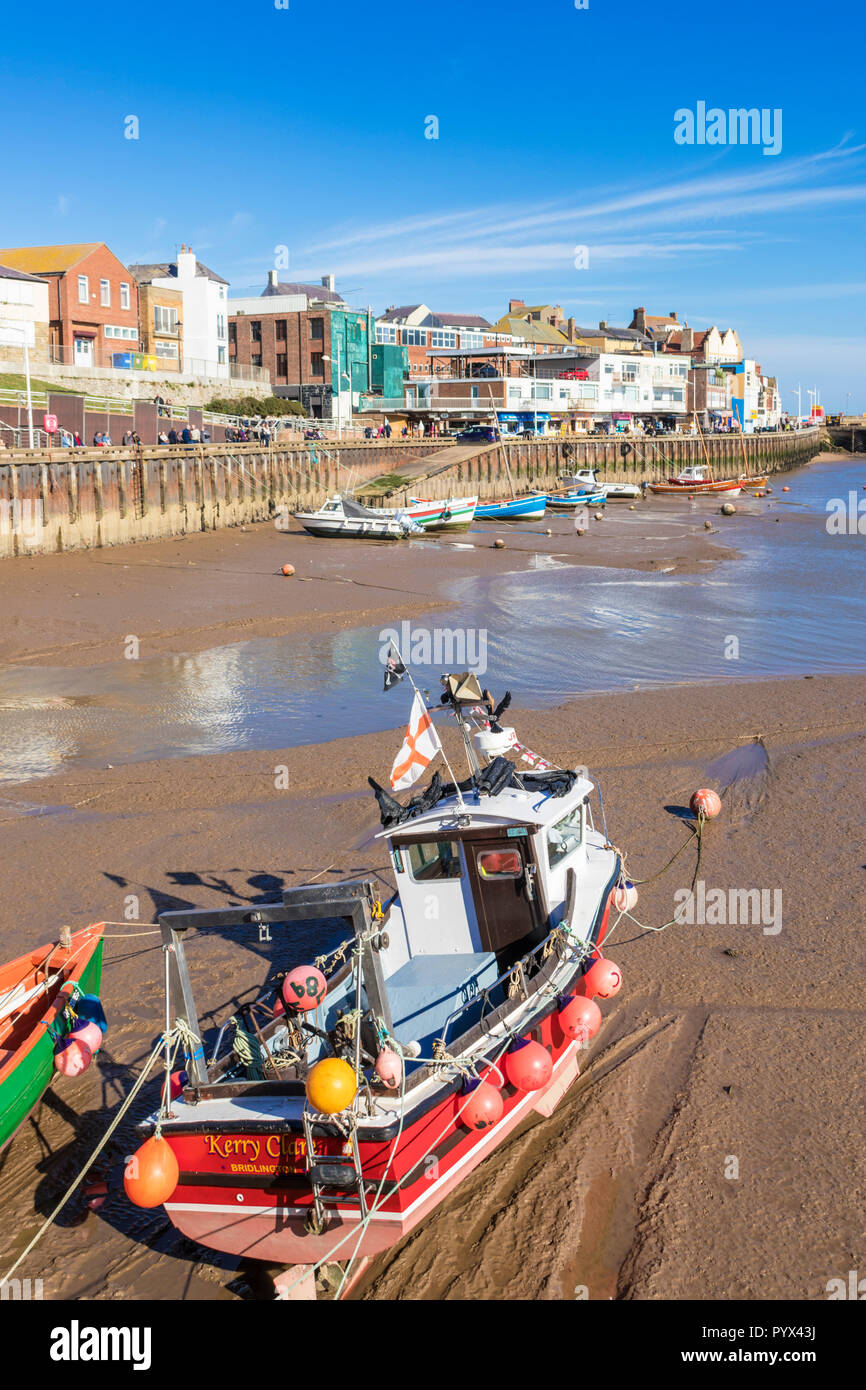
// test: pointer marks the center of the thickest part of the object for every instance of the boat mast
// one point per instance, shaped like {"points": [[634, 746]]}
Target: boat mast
{"points": [[704, 446]]}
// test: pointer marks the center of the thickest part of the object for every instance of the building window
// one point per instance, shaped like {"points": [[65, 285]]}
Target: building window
{"points": [[113, 330], [233, 334], [83, 290], [105, 294], [471, 340], [317, 328], [221, 325], [317, 364], [124, 295], [255, 359], [164, 319], [255, 330], [282, 364], [281, 326], [221, 355], [386, 333], [165, 349], [444, 340]]}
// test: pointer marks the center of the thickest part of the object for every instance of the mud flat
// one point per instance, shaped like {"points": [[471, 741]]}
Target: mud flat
{"points": [[728, 1041]]}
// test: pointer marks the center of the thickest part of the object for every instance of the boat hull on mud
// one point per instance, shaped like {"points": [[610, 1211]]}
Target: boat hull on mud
{"points": [[45, 980], [514, 509]]}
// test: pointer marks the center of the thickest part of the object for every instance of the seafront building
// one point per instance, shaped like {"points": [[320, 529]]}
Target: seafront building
{"points": [[204, 306]]}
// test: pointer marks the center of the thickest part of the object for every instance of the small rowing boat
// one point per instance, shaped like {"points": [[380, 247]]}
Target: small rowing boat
{"points": [[622, 492], [531, 508], [450, 514], [36, 991]]}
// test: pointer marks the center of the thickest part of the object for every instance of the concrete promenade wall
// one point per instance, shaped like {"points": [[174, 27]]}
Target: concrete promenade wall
{"points": [[62, 499]]}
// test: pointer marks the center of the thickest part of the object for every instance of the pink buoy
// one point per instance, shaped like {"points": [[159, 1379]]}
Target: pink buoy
{"points": [[89, 1033], [705, 802], [304, 988], [483, 1108], [528, 1065], [72, 1057], [579, 1018], [389, 1068], [625, 897], [603, 979]]}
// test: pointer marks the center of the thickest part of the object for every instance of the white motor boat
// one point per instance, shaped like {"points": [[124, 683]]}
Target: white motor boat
{"points": [[340, 516]]}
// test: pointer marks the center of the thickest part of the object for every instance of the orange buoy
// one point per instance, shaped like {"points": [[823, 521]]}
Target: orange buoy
{"points": [[705, 802], [389, 1067], [528, 1065], [331, 1085], [72, 1057], [151, 1174], [786, 489], [603, 978], [304, 987], [484, 1106], [579, 1017], [288, 571]]}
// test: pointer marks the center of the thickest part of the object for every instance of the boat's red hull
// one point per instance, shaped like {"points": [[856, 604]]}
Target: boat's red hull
{"points": [[256, 1208]]}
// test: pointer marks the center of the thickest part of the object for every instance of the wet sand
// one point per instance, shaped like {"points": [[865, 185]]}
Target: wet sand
{"points": [[725, 1042]]}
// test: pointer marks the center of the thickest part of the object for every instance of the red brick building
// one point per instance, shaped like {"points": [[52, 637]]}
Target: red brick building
{"points": [[92, 301]]}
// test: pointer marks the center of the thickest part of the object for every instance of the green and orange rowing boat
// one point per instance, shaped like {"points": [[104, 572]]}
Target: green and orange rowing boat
{"points": [[36, 993]]}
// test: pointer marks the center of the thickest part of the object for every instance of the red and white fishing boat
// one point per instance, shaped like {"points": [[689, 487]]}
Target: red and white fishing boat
{"points": [[698, 478], [359, 1088]]}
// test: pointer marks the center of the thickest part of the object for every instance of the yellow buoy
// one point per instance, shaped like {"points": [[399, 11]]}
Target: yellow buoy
{"points": [[331, 1085]]}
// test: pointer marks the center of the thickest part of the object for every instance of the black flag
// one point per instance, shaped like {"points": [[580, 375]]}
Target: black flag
{"points": [[394, 668]]}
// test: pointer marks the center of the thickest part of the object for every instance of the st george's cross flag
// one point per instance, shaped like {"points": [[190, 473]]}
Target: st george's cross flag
{"points": [[420, 746]]}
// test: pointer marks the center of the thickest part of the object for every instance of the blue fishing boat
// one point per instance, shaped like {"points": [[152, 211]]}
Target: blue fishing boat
{"points": [[570, 501], [529, 508]]}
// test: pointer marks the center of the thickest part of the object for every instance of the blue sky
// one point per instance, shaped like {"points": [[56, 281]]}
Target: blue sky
{"points": [[305, 128]]}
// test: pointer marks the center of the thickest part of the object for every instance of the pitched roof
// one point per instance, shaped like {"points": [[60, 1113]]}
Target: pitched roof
{"points": [[632, 335], [7, 272], [532, 332], [661, 320], [318, 292], [47, 259], [436, 319], [164, 270]]}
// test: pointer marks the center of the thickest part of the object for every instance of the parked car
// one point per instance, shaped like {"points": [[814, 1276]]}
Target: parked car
{"points": [[478, 434]]}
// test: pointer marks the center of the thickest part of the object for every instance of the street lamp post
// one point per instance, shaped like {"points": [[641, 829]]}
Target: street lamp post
{"points": [[798, 394], [20, 328]]}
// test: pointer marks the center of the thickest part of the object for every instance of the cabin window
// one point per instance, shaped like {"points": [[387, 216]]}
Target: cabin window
{"points": [[500, 863], [565, 836], [433, 859]]}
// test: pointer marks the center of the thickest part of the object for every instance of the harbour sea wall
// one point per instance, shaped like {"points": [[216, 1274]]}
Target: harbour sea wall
{"points": [[60, 499]]}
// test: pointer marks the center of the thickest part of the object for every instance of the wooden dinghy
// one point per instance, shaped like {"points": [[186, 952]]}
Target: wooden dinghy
{"points": [[35, 990]]}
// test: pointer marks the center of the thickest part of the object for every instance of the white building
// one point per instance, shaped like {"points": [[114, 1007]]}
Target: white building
{"points": [[23, 316], [205, 310], [630, 384]]}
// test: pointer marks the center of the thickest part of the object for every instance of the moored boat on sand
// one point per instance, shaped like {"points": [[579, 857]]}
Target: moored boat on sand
{"points": [[360, 1088], [571, 501], [442, 514], [698, 478], [342, 517], [530, 508]]}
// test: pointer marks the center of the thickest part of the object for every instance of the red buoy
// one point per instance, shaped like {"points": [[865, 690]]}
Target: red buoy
{"points": [[483, 1108], [603, 979], [177, 1081], [705, 802], [304, 987], [151, 1174], [579, 1018], [279, 1007], [528, 1065]]}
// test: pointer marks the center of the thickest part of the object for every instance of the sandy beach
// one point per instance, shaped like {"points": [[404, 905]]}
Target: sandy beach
{"points": [[730, 1049]]}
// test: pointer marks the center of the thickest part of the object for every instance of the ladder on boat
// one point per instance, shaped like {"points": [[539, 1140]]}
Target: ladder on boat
{"points": [[329, 1175]]}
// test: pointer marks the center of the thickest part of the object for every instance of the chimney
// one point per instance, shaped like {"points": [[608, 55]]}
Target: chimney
{"points": [[673, 315], [328, 282], [186, 263], [687, 339], [570, 331], [638, 320], [514, 305], [602, 323], [272, 279]]}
